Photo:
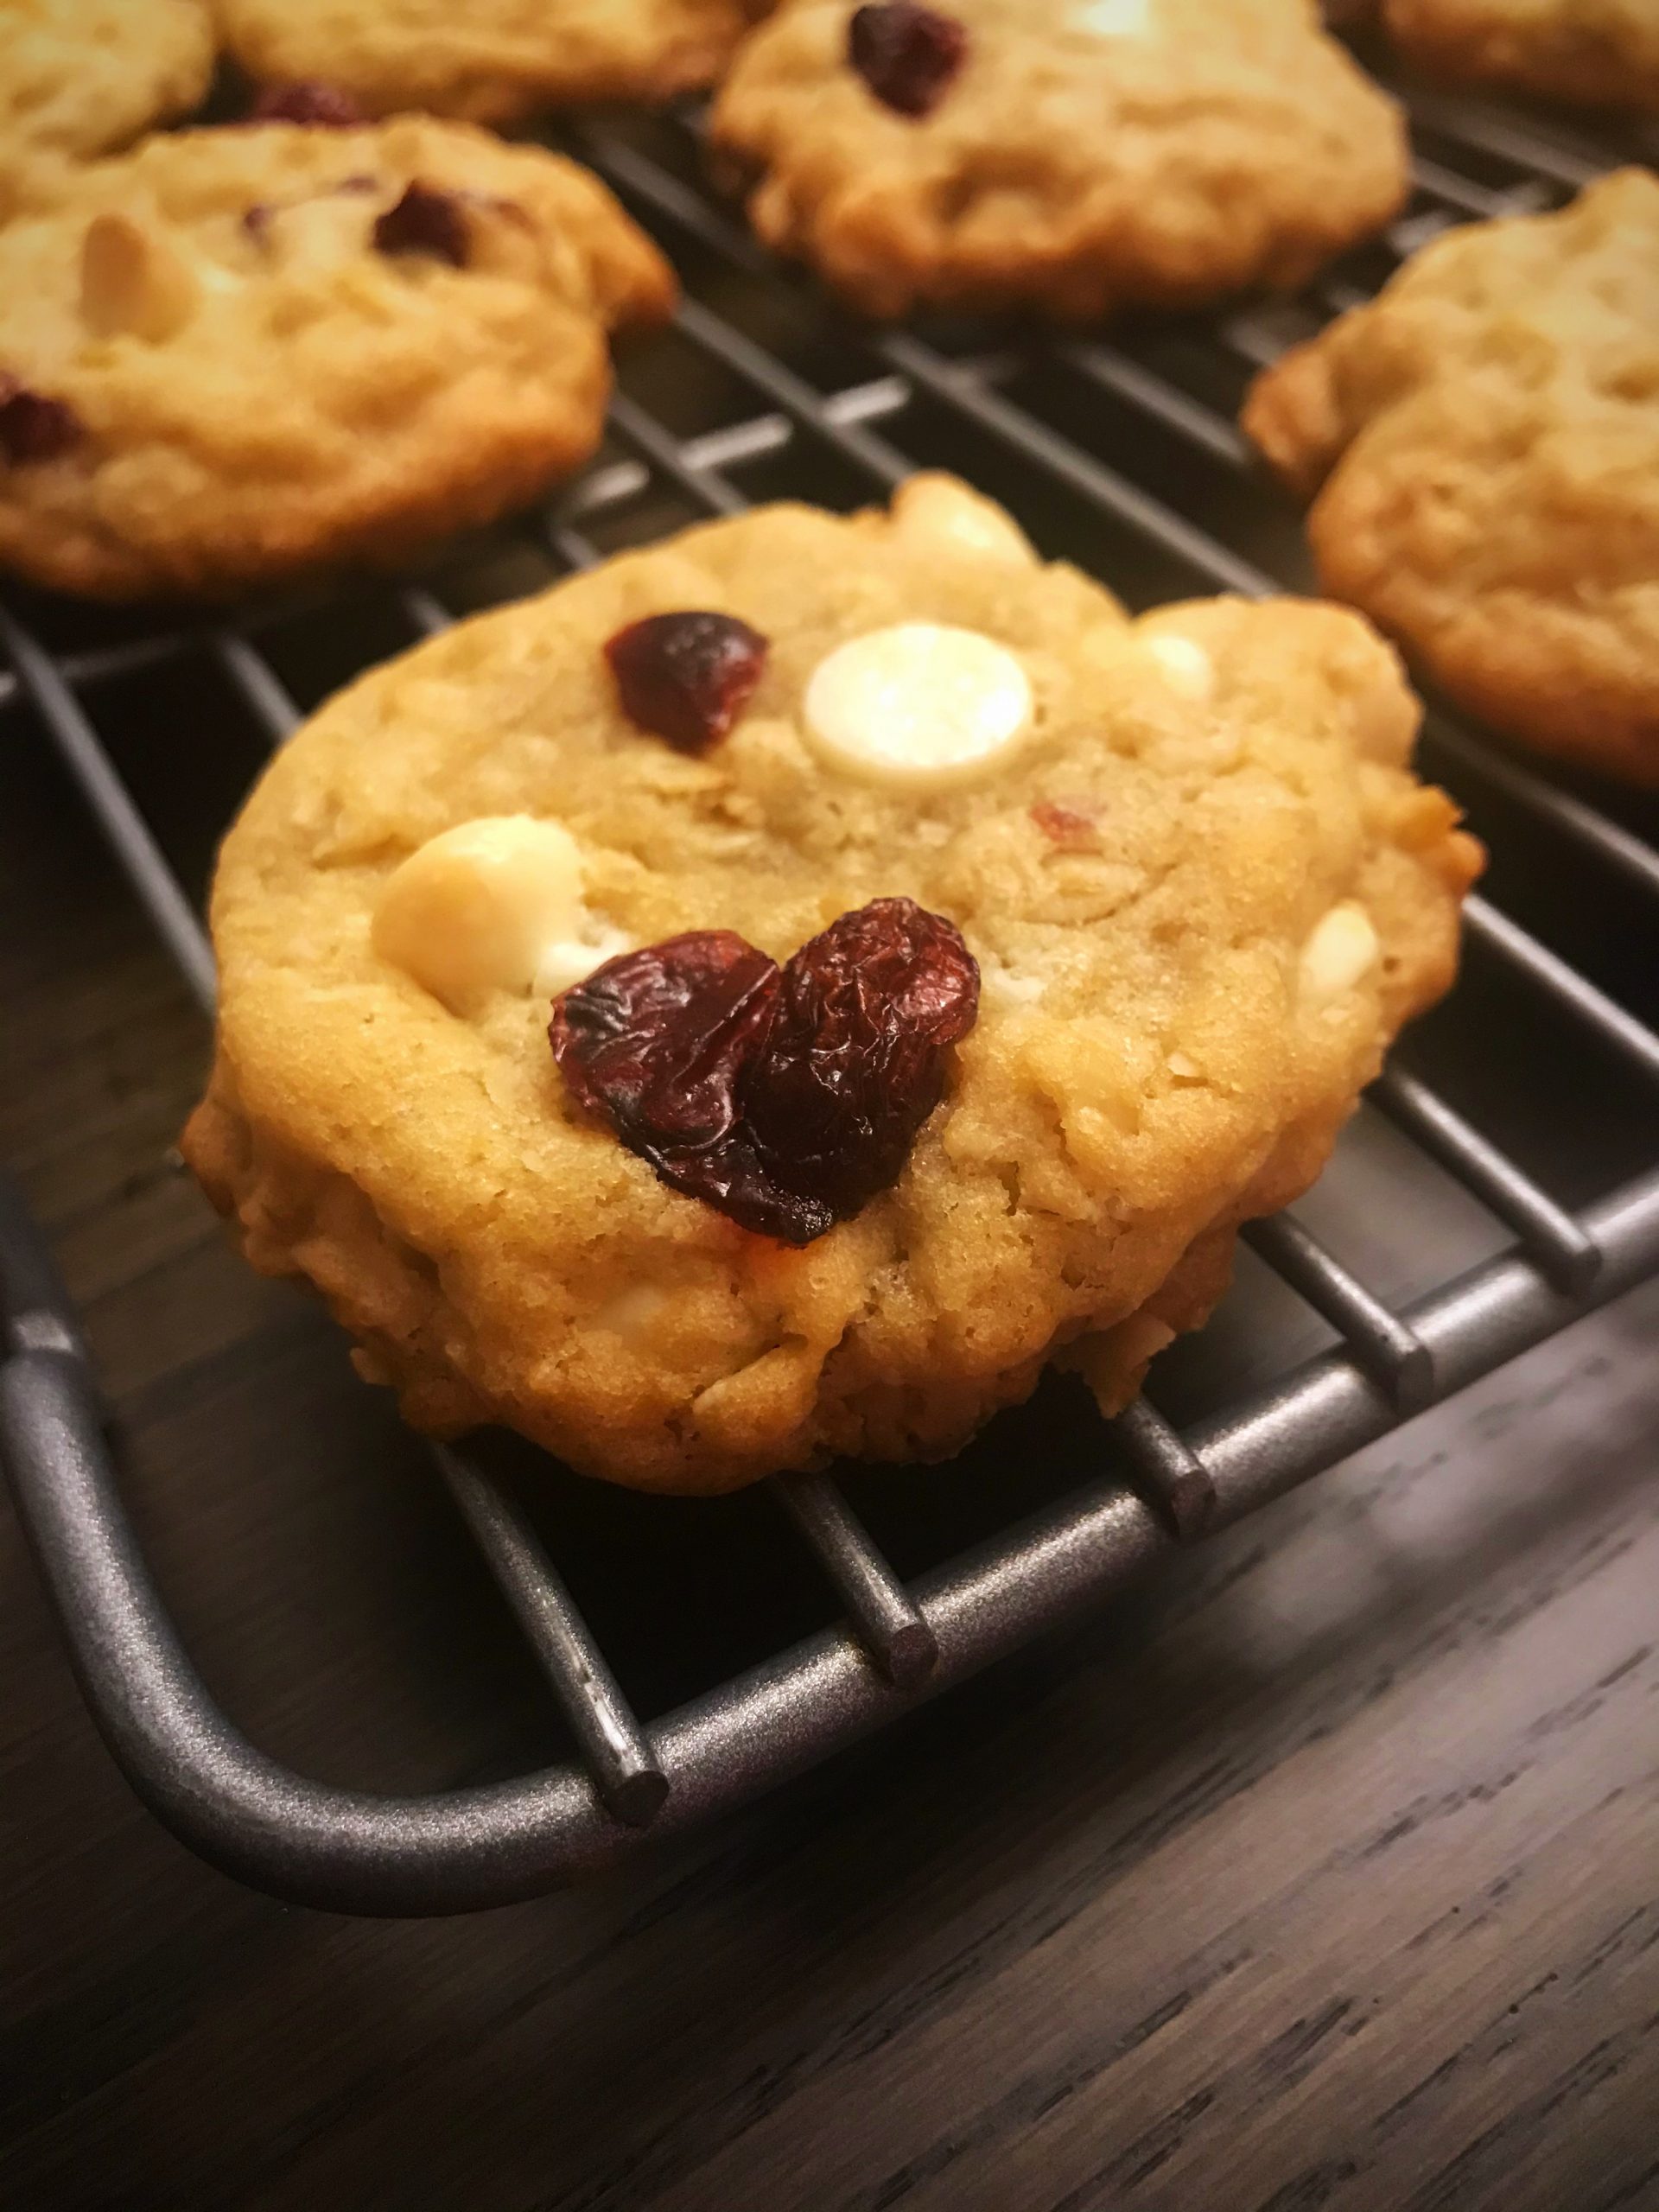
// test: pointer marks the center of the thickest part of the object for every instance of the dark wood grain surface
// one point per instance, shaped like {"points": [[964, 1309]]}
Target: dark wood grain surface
{"points": [[1324, 1874]]}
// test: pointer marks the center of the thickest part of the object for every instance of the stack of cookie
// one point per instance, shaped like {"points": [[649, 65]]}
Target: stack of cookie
{"points": [[769, 997]]}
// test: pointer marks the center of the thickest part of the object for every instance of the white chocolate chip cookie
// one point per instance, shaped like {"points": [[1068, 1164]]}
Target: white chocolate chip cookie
{"points": [[1197, 923], [486, 60], [1481, 445], [1072, 155], [236, 352], [83, 76]]}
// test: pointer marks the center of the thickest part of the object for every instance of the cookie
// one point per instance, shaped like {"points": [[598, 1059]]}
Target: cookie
{"points": [[1068, 155], [488, 60], [1603, 52], [1023, 950], [234, 353], [1481, 444], [83, 76]]}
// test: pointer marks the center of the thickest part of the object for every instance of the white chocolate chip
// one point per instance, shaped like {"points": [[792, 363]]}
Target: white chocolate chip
{"points": [[633, 1313], [937, 511], [321, 230], [1009, 986], [474, 909], [921, 705], [1115, 18], [1184, 1067], [1340, 950], [571, 960], [132, 282], [1185, 665]]}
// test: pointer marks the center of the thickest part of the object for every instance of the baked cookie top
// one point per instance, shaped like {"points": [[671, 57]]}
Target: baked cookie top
{"points": [[236, 352], [82, 76], [1602, 52], [1073, 154], [486, 60], [1486, 433], [1200, 885]]}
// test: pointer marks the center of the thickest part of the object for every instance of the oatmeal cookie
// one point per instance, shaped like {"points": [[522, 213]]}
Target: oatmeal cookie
{"points": [[1602, 52], [236, 353], [83, 76], [1200, 885], [1483, 443], [487, 60], [1071, 156]]}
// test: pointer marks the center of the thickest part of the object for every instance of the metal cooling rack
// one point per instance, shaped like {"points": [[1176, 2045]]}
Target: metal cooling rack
{"points": [[1529, 1102]]}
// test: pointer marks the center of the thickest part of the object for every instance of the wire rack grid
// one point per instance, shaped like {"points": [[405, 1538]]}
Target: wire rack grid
{"points": [[1121, 452]]}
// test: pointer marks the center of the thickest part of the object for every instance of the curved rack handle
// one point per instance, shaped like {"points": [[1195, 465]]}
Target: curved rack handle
{"points": [[457, 1850]]}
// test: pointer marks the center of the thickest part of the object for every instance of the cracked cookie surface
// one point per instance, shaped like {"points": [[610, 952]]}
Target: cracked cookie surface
{"points": [[1202, 890], [282, 346], [1082, 155], [1481, 445]]}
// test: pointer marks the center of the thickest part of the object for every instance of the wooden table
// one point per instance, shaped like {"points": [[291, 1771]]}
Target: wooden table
{"points": [[1324, 1874]]}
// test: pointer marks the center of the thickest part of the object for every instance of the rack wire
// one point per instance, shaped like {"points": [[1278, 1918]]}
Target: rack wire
{"points": [[1118, 448]]}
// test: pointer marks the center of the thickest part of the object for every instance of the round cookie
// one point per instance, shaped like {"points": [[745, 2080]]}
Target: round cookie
{"points": [[1201, 886], [83, 76], [487, 60], [1603, 52], [1071, 156], [1483, 443], [233, 354]]}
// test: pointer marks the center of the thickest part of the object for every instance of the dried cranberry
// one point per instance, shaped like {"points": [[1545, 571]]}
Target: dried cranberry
{"points": [[657, 1043], [906, 54], [307, 102], [855, 1062], [785, 1097], [34, 427], [686, 677], [1073, 828], [656, 1040], [426, 220]]}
